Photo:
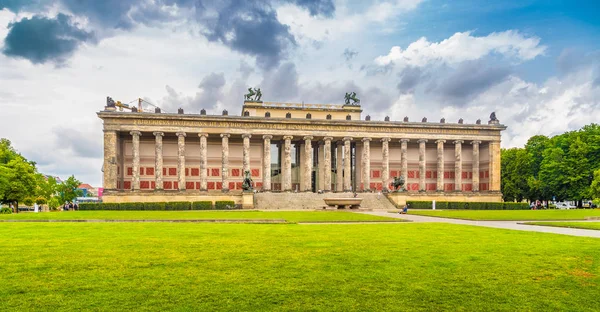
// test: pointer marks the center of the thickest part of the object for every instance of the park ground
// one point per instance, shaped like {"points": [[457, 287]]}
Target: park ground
{"points": [[511, 215], [327, 267]]}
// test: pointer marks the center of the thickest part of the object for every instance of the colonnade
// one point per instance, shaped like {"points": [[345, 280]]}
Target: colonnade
{"points": [[343, 168]]}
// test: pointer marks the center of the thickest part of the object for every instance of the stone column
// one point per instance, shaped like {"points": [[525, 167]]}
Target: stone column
{"points": [[422, 165], [136, 159], [320, 162], [158, 160], [267, 162], [203, 161], [327, 164], [246, 153], [287, 163], [440, 165], [476, 165], [458, 165], [181, 160], [339, 178], [308, 164], [347, 165], [225, 162], [404, 159], [385, 164], [366, 164], [110, 159], [495, 166]]}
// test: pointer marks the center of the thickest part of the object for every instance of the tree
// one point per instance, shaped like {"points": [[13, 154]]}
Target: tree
{"points": [[68, 190], [595, 186], [46, 187], [21, 176], [516, 169]]}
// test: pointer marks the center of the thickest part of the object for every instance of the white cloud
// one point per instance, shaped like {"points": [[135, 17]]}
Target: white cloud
{"points": [[462, 46]]}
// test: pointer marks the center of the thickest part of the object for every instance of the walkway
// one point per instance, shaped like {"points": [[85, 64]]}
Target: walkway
{"points": [[508, 225]]}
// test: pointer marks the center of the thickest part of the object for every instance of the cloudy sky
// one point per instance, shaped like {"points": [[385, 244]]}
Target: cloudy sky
{"points": [[535, 63]]}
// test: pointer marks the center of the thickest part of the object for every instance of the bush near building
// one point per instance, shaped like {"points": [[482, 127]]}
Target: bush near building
{"points": [[199, 205], [467, 205]]}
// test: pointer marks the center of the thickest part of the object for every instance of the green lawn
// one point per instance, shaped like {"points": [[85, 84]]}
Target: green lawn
{"points": [[517, 215], [248, 267], [576, 225], [290, 216]]}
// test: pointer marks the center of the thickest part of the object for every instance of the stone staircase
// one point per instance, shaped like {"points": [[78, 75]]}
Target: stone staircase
{"points": [[299, 201]]}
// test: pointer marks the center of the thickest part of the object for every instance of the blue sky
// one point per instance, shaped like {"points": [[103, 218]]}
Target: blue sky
{"points": [[535, 63]]}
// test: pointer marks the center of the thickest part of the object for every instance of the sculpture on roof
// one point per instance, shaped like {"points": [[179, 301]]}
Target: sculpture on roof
{"points": [[351, 96], [493, 116], [253, 93]]}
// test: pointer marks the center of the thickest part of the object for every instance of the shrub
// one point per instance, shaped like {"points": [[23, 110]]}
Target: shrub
{"points": [[202, 205], [155, 206], [224, 204], [178, 206], [131, 206], [53, 203], [414, 204], [28, 202], [41, 201], [89, 206], [5, 210]]}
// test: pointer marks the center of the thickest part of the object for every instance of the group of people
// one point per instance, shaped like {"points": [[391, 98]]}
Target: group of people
{"points": [[536, 205], [70, 206]]}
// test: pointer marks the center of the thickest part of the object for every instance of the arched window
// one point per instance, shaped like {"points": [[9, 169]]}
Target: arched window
{"points": [[268, 114], [246, 113], [329, 117], [308, 116], [288, 115], [348, 117]]}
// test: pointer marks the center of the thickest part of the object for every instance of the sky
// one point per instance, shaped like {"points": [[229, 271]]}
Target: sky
{"points": [[536, 64]]}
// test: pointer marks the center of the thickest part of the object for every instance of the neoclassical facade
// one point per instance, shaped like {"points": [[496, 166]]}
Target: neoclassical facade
{"points": [[293, 147]]}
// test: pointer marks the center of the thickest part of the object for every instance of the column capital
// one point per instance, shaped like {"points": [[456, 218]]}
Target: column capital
{"points": [[422, 141], [225, 135], [366, 139], [158, 133], [203, 135], [308, 137], [475, 142], [339, 143], [287, 137], [458, 142], [404, 140], [135, 132], [386, 140], [347, 139], [440, 141], [327, 139], [180, 134], [246, 135], [267, 137]]}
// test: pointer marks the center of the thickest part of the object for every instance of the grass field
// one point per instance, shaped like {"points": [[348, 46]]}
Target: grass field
{"points": [[244, 267], [576, 225], [516, 215], [290, 216]]}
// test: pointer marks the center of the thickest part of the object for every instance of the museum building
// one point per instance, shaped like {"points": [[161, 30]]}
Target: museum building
{"points": [[294, 147]]}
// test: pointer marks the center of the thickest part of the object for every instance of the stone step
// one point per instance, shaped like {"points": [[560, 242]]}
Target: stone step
{"points": [[291, 201]]}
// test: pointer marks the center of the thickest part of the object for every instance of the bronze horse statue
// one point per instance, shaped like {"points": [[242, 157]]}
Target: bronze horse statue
{"points": [[398, 184]]}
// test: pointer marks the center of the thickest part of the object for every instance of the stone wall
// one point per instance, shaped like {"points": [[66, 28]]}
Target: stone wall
{"points": [[400, 198]]}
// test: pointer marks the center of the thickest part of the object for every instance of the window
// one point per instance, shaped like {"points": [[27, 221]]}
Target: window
{"points": [[246, 113], [268, 114], [308, 116], [329, 117], [348, 117], [288, 115]]}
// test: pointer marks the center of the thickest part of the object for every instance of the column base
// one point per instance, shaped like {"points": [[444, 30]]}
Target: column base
{"points": [[203, 190], [225, 190], [439, 191], [422, 191]]}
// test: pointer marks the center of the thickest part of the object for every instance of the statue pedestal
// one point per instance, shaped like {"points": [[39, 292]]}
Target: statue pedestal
{"points": [[248, 200]]}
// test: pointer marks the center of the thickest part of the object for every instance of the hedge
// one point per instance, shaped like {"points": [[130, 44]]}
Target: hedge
{"points": [[467, 205], [202, 205], [224, 204]]}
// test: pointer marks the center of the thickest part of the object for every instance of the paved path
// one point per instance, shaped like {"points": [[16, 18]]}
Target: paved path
{"points": [[509, 225]]}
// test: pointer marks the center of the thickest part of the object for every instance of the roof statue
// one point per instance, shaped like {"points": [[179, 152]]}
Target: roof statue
{"points": [[253, 93], [351, 96]]}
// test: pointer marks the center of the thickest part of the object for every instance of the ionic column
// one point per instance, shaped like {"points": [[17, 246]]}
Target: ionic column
{"points": [[404, 159], [267, 162], [181, 160], [307, 163], [136, 159], [203, 161], [422, 165], [366, 164], [347, 165], [246, 153], [476, 165], [440, 165], [494, 166], [287, 163], [458, 165], [385, 163], [110, 159], [327, 164], [225, 162], [339, 165], [158, 160], [320, 162]]}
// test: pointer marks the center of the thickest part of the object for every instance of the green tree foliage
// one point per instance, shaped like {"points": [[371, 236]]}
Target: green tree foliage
{"points": [[18, 176], [561, 167], [68, 190]]}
